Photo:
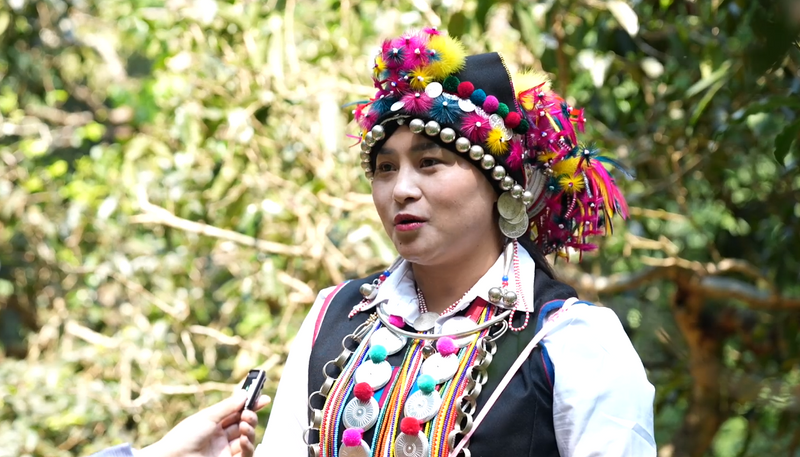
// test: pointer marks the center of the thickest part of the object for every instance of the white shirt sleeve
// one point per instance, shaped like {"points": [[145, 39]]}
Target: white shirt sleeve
{"points": [[602, 400], [289, 417]]}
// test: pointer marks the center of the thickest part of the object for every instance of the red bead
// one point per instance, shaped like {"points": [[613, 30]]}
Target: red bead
{"points": [[410, 426], [363, 391], [465, 89], [513, 119]]}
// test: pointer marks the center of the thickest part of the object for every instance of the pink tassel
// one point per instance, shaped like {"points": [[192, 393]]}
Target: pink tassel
{"points": [[475, 127], [417, 103], [514, 161]]}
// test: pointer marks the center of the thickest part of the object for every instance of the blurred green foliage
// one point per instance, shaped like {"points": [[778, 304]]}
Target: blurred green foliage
{"points": [[176, 183]]}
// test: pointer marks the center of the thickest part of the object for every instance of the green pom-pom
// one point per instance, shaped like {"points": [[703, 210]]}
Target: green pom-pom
{"points": [[502, 110], [451, 83], [523, 127], [377, 353], [426, 383]]}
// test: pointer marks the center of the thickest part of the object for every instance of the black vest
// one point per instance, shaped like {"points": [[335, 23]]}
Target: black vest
{"points": [[521, 421]]}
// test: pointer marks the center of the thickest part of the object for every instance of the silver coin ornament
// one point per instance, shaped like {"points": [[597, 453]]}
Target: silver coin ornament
{"points": [[422, 406], [393, 343], [459, 324], [466, 106], [376, 375], [522, 217], [441, 368], [513, 230], [397, 106], [434, 89], [361, 414], [425, 322], [361, 450], [509, 207], [411, 445]]}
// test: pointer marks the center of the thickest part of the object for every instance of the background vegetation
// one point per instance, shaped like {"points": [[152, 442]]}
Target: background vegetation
{"points": [[176, 184]]}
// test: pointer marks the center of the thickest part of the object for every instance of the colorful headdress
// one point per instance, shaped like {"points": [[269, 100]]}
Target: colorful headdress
{"points": [[552, 187]]}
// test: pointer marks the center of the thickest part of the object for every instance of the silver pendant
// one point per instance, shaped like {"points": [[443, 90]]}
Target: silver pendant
{"points": [[376, 375], [509, 207], [422, 406], [384, 337], [426, 321], [439, 367], [360, 414], [361, 450], [411, 445], [519, 219], [513, 230], [459, 324], [434, 89]]}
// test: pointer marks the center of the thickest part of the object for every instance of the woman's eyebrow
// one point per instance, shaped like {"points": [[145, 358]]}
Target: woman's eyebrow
{"points": [[419, 147]]}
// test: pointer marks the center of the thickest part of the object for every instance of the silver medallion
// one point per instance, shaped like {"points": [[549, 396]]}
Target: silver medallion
{"points": [[520, 219], [425, 321], [361, 450], [497, 122], [513, 230], [466, 106], [397, 106], [376, 375], [434, 89], [360, 414], [459, 324], [411, 445], [439, 367], [384, 337], [509, 207], [422, 406]]}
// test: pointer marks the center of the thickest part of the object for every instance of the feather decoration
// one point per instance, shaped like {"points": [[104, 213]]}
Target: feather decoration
{"points": [[417, 103], [629, 174], [394, 57], [495, 142], [475, 127], [415, 51], [448, 57], [445, 111], [381, 105], [514, 159], [419, 78]]}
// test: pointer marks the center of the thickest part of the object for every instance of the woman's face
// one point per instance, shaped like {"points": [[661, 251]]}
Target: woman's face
{"points": [[435, 206]]}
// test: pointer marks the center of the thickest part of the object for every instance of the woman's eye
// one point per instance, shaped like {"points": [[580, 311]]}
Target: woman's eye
{"points": [[385, 166], [429, 162]]}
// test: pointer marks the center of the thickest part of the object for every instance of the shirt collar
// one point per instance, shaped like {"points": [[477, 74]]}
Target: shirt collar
{"points": [[400, 294]]}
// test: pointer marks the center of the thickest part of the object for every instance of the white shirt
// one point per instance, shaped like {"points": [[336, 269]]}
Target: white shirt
{"points": [[602, 400]]}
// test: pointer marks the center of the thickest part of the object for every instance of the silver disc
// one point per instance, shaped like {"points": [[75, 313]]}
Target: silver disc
{"points": [[434, 89], [513, 230], [439, 367], [397, 106], [466, 106], [411, 445], [521, 218], [362, 450], [376, 375], [384, 337], [497, 122], [509, 207], [422, 406], [425, 322], [360, 414], [459, 324]]}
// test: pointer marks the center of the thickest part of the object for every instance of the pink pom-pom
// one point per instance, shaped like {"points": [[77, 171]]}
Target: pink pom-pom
{"points": [[410, 426], [417, 103], [397, 321], [491, 104], [446, 346], [432, 31], [512, 120], [475, 127], [363, 391], [465, 89], [514, 161], [352, 437]]}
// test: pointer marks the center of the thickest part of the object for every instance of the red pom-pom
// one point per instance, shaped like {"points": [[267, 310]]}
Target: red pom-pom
{"points": [[465, 89], [352, 437], [513, 119], [363, 391], [410, 426], [397, 321], [446, 346], [491, 104]]}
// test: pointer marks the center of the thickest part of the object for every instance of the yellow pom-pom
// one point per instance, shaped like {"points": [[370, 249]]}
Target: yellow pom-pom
{"points": [[449, 56], [566, 167], [571, 184], [379, 68], [546, 156], [495, 142], [419, 78], [526, 81]]}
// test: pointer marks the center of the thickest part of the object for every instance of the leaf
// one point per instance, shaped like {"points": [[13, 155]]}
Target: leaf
{"points": [[625, 15], [709, 80], [784, 140], [703, 103]]}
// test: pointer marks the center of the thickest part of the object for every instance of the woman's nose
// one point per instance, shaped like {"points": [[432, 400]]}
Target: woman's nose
{"points": [[406, 186]]}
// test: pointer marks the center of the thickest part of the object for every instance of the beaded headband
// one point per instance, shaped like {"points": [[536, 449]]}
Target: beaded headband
{"points": [[551, 187]]}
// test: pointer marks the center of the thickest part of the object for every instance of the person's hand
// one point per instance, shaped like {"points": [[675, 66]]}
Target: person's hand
{"points": [[221, 430]]}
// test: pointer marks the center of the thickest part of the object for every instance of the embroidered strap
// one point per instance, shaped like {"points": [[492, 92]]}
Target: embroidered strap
{"points": [[324, 309], [512, 371]]}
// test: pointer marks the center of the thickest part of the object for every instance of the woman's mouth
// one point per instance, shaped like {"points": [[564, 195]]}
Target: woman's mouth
{"points": [[407, 222]]}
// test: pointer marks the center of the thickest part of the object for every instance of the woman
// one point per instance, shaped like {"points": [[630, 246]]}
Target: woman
{"points": [[475, 177]]}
